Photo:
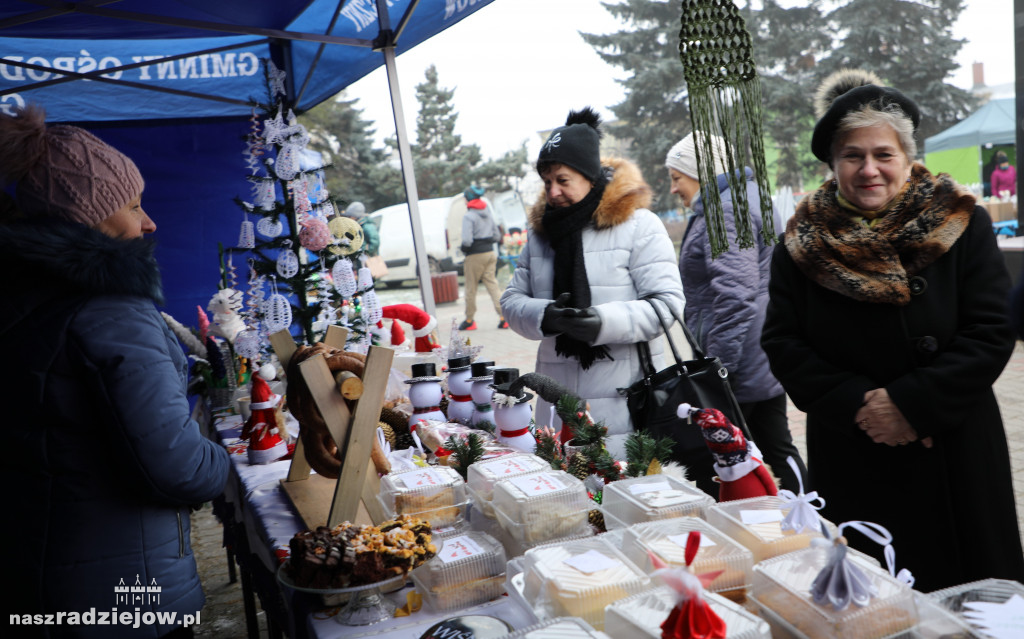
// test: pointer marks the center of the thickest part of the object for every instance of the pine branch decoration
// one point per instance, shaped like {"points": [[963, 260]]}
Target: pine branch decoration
{"points": [[550, 449], [642, 451], [464, 452]]}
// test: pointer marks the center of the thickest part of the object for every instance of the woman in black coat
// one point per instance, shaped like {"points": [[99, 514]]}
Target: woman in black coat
{"points": [[887, 324]]}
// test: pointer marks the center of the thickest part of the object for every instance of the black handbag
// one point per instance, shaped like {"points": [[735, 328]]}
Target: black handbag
{"points": [[702, 382]]}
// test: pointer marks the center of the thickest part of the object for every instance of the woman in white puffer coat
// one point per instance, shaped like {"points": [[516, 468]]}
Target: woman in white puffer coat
{"points": [[594, 255]]}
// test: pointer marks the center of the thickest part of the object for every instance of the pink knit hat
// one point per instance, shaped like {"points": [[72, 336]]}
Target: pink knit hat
{"points": [[64, 171]]}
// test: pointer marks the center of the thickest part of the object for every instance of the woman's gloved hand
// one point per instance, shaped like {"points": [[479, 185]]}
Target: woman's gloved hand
{"points": [[579, 323]]}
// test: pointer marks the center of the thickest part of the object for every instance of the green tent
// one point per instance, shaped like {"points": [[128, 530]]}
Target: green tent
{"points": [[964, 149]]}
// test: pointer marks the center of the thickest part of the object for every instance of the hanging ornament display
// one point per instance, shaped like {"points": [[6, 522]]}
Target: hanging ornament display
{"points": [[287, 261], [287, 165], [277, 312], [254, 146], [371, 305], [246, 236], [269, 226], [315, 186], [325, 210], [344, 278], [264, 193], [314, 234], [231, 276], [247, 343], [300, 198], [255, 299], [348, 235]]}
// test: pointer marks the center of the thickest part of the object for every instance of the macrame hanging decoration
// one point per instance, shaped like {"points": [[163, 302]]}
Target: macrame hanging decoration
{"points": [[344, 278], [277, 312], [269, 226], [725, 100], [246, 236], [325, 210], [287, 261]]}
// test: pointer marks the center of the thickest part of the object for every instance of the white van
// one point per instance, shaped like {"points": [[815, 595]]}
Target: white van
{"points": [[441, 221]]}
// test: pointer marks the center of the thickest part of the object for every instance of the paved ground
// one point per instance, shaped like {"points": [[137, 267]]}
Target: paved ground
{"points": [[222, 617]]}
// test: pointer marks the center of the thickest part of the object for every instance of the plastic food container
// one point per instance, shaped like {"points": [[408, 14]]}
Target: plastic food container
{"points": [[542, 507], [642, 615], [650, 498], [578, 579], [559, 628], [757, 524], [468, 569], [782, 591], [957, 598], [434, 493], [667, 540], [482, 476]]}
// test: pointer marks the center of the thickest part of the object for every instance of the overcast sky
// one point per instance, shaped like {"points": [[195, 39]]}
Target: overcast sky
{"points": [[519, 66]]}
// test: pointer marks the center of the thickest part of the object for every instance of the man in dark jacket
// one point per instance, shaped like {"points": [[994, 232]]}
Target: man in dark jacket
{"points": [[479, 234], [106, 461]]}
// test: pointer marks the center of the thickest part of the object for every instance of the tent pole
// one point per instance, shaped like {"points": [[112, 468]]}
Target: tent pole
{"points": [[408, 177]]}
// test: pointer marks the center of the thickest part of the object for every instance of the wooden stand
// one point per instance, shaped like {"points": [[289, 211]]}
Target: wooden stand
{"points": [[353, 496]]}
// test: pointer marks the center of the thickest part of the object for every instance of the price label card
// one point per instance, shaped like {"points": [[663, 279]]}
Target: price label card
{"points": [[509, 465], [459, 548], [680, 540], [639, 489], [761, 516], [538, 484], [423, 478], [592, 561]]}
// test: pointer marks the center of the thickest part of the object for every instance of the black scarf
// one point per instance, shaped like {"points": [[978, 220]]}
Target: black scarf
{"points": [[564, 229]]}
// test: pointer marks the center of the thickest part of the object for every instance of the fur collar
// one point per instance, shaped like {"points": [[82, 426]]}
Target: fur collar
{"points": [[625, 193], [875, 264], [52, 254]]}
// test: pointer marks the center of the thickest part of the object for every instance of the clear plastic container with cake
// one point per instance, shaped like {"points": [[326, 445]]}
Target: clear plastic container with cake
{"points": [[640, 616], [578, 579], [434, 493], [559, 628], [781, 590], [541, 507], [481, 476], [958, 599], [667, 540], [650, 498], [757, 524], [467, 570]]}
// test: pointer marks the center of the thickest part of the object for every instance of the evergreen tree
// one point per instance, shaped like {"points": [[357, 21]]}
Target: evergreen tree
{"points": [[909, 44]]}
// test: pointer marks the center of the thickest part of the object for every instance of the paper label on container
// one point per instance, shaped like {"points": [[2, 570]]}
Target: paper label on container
{"points": [[538, 484], [423, 478], [680, 540], [761, 516], [508, 465], [998, 620], [638, 489], [459, 547], [592, 561]]}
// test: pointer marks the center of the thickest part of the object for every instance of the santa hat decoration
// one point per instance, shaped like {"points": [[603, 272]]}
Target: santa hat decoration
{"points": [[265, 445], [691, 617], [422, 324], [738, 463], [394, 333]]}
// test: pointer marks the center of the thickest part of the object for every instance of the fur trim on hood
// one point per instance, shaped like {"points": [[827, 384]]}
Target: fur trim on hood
{"points": [[625, 192], [875, 264], [51, 253]]}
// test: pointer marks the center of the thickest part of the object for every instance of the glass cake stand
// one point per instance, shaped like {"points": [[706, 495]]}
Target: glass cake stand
{"points": [[366, 603]]}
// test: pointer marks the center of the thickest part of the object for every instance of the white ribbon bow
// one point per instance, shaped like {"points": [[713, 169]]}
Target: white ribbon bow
{"points": [[882, 537], [802, 515]]}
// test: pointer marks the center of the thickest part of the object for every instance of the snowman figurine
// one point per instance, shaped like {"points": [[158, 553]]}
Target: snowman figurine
{"points": [[460, 402], [512, 413], [425, 394], [480, 391]]}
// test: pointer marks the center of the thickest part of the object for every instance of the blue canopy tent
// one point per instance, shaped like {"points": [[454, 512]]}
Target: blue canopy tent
{"points": [[963, 149], [174, 83]]}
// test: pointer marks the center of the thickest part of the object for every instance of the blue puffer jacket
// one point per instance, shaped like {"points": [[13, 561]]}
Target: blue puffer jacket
{"points": [[726, 297], [105, 460]]}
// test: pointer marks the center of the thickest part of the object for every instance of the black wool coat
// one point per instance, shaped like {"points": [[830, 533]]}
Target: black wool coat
{"points": [[937, 352]]}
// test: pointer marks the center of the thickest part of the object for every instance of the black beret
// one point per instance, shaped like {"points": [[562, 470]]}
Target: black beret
{"points": [[852, 100]]}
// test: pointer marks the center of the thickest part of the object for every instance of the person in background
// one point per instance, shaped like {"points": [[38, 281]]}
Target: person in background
{"points": [[725, 302], [371, 236], [1004, 176], [479, 235], [594, 253], [106, 460], [887, 324]]}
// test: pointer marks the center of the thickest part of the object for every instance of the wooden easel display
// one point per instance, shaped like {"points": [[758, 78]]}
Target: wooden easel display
{"points": [[353, 496]]}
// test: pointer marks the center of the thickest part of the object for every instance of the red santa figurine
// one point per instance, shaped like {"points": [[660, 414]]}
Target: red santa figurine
{"points": [[423, 324], [692, 616], [741, 472], [265, 442]]}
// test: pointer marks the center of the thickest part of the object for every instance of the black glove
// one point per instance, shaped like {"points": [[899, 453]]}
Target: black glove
{"points": [[579, 323]]}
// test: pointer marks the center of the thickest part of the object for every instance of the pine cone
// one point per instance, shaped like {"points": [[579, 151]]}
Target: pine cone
{"points": [[389, 433], [596, 519], [579, 466]]}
